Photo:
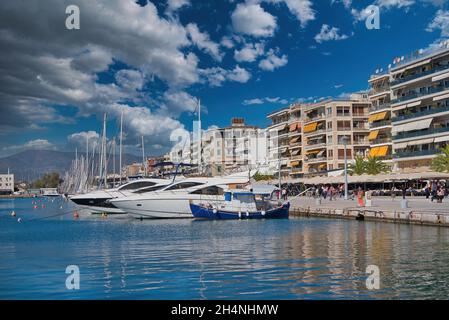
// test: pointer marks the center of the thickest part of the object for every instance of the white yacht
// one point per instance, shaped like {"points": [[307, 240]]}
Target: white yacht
{"points": [[173, 201], [96, 202]]}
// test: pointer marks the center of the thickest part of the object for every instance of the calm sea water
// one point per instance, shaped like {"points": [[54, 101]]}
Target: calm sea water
{"points": [[187, 259]]}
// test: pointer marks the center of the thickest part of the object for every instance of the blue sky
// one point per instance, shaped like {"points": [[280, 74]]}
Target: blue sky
{"points": [[152, 60]]}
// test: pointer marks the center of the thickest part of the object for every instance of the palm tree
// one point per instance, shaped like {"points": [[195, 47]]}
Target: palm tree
{"points": [[358, 167], [374, 165], [441, 162]]}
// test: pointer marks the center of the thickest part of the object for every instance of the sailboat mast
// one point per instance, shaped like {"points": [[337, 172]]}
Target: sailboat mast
{"points": [[143, 159], [121, 140], [199, 136]]}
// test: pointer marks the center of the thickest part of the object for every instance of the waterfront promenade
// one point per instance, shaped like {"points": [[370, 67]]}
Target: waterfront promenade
{"points": [[419, 210]]}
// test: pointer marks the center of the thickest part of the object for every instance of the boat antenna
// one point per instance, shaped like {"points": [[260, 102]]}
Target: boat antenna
{"points": [[120, 151]]}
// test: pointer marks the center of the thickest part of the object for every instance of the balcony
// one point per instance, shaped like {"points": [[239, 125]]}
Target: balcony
{"points": [[316, 145], [419, 75], [344, 129], [420, 114], [317, 159], [380, 107], [380, 141], [421, 94], [319, 131], [426, 132], [413, 154], [360, 114], [315, 118], [361, 142], [380, 124]]}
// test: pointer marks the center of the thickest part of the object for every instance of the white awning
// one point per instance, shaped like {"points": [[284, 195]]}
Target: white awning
{"points": [[441, 139], [400, 145], [413, 66], [414, 104], [444, 96], [422, 141], [417, 125], [441, 76]]}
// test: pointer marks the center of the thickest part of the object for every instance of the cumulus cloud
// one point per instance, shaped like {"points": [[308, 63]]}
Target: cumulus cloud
{"points": [[174, 5], [256, 101], [202, 41], [272, 61], [38, 144], [302, 9], [79, 139], [251, 19], [440, 22], [217, 75], [328, 33], [249, 52]]}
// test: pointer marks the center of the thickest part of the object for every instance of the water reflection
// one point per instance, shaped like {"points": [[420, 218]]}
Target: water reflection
{"points": [[186, 259]]}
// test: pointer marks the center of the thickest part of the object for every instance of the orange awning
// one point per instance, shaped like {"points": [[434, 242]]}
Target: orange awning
{"points": [[293, 126], [373, 135], [310, 127]]}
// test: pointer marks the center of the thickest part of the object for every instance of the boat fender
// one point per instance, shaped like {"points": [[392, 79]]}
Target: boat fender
{"points": [[13, 213], [263, 213], [247, 213], [19, 220], [215, 210], [240, 215], [76, 215]]}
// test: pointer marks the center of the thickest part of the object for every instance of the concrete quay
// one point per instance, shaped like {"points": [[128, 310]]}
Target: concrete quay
{"points": [[419, 210]]}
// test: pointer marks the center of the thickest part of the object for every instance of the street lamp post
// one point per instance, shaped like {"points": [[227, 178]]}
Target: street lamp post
{"points": [[345, 143]]}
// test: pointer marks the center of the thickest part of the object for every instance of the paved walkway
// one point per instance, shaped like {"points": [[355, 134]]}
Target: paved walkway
{"points": [[378, 203]]}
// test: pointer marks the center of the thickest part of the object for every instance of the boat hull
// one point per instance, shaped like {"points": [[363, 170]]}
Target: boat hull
{"points": [[200, 212]]}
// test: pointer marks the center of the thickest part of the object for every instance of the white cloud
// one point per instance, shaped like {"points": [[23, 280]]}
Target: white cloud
{"points": [[256, 101], [38, 144], [174, 5], [249, 52], [328, 33], [202, 41], [217, 75], [440, 22], [394, 3], [302, 9], [272, 61], [251, 19], [79, 139], [227, 42]]}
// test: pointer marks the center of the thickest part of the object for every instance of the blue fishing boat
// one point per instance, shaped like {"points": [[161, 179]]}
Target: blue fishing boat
{"points": [[241, 205]]}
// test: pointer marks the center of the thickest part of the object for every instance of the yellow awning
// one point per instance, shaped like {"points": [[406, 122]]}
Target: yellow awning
{"points": [[313, 152], [373, 135], [377, 116], [322, 166], [294, 163], [374, 151], [382, 151], [381, 116], [310, 127]]}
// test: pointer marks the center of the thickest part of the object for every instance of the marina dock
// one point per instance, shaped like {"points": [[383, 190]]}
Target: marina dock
{"points": [[420, 211]]}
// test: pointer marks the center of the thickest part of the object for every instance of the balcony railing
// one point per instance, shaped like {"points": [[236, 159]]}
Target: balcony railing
{"points": [[317, 159], [420, 94], [380, 107], [361, 142], [404, 135], [420, 114], [380, 141], [344, 128], [315, 118], [411, 154], [380, 124], [419, 75], [315, 132], [360, 114]]}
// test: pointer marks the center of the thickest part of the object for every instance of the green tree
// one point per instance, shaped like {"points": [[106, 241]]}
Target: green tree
{"points": [[441, 162], [262, 177], [358, 167], [374, 165], [48, 180]]}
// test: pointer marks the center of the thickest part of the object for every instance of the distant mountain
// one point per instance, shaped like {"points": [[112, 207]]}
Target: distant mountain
{"points": [[30, 164]]}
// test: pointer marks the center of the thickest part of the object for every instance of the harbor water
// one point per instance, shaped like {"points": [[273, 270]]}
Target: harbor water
{"points": [[296, 258]]}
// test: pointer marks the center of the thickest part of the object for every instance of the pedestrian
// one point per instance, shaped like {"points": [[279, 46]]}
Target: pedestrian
{"points": [[284, 194], [440, 194], [393, 193], [360, 195], [404, 191]]}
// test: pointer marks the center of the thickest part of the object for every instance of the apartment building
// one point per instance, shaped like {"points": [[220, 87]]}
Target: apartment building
{"points": [[309, 139], [278, 137], [329, 126], [224, 150], [6, 183], [420, 107], [380, 123]]}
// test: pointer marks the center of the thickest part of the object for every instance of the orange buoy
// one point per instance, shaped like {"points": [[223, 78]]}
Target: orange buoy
{"points": [[34, 207]]}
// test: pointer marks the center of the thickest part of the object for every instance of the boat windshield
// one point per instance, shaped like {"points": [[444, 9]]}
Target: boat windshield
{"points": [[137, 185], [244, 197], [150, 189]]}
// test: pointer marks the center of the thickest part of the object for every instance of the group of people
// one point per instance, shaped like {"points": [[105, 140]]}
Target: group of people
{"points": [[435, 191], [327, 192]]}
